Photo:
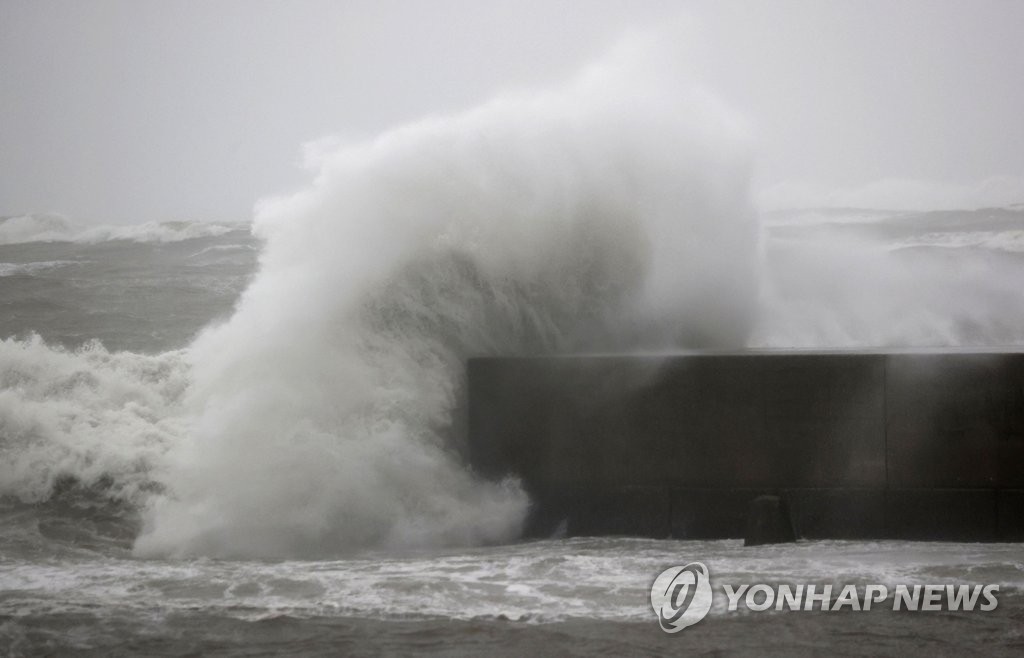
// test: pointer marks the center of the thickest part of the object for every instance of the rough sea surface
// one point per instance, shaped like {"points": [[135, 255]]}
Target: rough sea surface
{"points": [[95, 374]]}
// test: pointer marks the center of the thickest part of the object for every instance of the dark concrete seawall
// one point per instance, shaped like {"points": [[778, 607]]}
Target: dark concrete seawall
{"points": [[907, 445]]}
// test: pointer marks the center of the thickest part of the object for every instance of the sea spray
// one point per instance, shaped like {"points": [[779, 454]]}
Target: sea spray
{"points": [[610, 214], [870, 283]]}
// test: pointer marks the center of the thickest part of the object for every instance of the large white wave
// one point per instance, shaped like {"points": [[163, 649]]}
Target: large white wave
{"points": [[612, 212]]}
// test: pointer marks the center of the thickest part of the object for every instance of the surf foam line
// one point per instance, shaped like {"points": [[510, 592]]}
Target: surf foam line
{"points": [[41, 227], [611, 213]]}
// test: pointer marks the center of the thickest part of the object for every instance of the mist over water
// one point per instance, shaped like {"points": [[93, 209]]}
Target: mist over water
{"points": [[851, 279], [320, 416]]}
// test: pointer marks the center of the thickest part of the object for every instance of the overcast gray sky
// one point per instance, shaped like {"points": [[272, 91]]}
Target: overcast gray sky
{"points": [[139, 110]]}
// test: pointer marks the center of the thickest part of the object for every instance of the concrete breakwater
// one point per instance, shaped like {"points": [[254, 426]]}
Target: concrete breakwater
{"points": [[906, 445]]}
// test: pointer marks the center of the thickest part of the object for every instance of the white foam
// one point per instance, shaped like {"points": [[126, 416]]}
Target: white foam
{"points": [[86, 413], [29, 269], [55, 228], [585, 578], [1008, 241]]}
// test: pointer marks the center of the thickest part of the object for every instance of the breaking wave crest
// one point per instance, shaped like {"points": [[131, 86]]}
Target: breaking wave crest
{"points": [[56, 228], [88, 416]]}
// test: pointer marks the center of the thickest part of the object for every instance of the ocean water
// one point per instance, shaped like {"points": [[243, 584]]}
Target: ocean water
{"points": [[245, 439], [102, 328]]}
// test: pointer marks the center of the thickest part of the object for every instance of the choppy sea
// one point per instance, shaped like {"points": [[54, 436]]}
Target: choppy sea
{"points": [[96, 329]]}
